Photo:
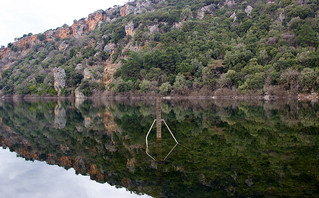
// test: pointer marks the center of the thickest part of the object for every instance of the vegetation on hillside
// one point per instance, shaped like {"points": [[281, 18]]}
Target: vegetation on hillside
{"points": [[273, 48]]}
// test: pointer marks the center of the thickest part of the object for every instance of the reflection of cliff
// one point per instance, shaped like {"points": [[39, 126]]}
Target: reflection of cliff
{"points": [[25, 149], [60, 116], [57, 145], [240, 149]]}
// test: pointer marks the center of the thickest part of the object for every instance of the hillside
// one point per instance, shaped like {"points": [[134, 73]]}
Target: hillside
{"points": [[199, 47]]}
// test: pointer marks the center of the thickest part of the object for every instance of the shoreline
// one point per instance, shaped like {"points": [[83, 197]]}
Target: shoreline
{"points": [[299, 97]]}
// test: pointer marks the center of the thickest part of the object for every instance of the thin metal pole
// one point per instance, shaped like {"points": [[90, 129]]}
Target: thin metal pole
{"points": [[149, 133], [170, 152], [170, 131]]}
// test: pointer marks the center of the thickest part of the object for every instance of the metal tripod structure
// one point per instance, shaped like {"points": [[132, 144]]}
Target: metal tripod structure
{"points": [[146, 140], [159, 121]]}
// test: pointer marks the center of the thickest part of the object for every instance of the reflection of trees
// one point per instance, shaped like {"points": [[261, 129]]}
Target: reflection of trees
{"points": [[239, 148], [251, 141]]}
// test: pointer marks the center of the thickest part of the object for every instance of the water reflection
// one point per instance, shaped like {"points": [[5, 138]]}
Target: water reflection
{"points": [[24, 179], [227, 148], [159, 122]]}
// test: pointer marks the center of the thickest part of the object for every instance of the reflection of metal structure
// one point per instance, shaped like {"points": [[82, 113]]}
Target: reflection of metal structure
{"points": [[159, 121], [159, 159], [146, 139]]}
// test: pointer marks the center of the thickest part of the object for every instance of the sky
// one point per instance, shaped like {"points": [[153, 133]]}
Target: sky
{"points": [[24, 179], [18, 17]]}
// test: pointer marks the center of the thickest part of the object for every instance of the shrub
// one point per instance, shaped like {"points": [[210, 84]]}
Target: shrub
{"points": [[52, 91], [33, 89], [165, 88], [87, 87], [307, 78], [179, 82], [145, 85], [75, 78]]}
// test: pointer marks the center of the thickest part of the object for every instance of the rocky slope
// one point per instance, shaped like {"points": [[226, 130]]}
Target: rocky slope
{"points": [[172, 47]]}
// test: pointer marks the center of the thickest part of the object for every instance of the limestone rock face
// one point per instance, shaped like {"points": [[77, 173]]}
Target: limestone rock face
{"points": [[29, 40], [271, 1], [110, 147], [87, 73], [78, 93], [137, 8], [99, 45], [79, 66], [282, 17], [49, 35], [153, 29], [109, 71], [201, 12], [123, 11], [63, 32], [230, 3], [126, 10], [143, 6], [59, 79], [63, 46], [109, 48], [87, 121], [248, 10], [95, 18], [129, 28], [79, 28], [178, 25], [233, 16]]}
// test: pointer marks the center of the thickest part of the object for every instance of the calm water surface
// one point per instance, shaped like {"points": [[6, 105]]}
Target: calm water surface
{"points": [[98, 149]]}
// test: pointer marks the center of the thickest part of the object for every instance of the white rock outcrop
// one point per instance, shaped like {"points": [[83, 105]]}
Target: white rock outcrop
{"points": [[59, 79], [248, 10]]}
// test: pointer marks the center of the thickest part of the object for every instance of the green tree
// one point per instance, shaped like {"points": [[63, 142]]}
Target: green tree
{"points": [[33, 89], [170, 59], [228, 79], [289, 79], [87, 87], [307, 36], [237, 58], [165, 88], [145, 85], [186, 14], [299, 11], [52, 91], [131, 68], [307, 78], [153, 74], [180, 82], [186, 69], [75, 78], [253, 82]]}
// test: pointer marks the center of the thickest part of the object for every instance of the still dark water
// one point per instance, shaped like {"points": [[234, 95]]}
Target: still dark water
{"points": [[97, 149]]}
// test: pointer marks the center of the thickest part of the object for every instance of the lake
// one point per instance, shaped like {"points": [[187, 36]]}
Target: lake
{"points": [[206, 148]]}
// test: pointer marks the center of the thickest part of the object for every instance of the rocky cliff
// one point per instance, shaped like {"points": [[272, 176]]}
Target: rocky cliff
{"points": [[77, 30]]}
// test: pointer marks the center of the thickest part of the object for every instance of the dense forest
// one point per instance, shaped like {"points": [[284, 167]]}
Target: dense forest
{"points": [[176, 47]]}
